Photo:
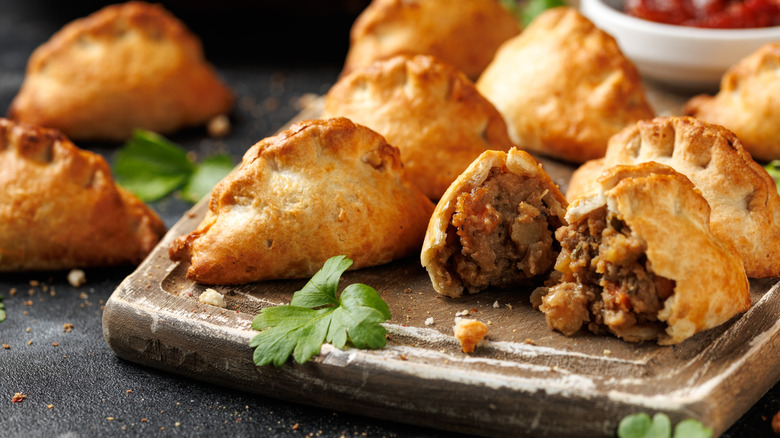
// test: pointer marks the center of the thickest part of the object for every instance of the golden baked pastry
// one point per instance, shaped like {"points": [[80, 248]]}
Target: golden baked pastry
{"points": [[743, 197], [429, 110], [127, 66], [60, 207], [638, 260], [320, 189], [494, 226], [564, 87], [748, 103], [464, 33]]}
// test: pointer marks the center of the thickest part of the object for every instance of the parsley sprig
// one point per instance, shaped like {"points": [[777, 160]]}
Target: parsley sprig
{"points": [[642, 426], [773, 167], [316, 314], [153, 167]]}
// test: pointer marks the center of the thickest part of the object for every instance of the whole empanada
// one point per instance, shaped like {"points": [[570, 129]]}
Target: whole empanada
{"points": [[748, 103], [743, 197], [127, 66], [494, 226], [564, 87], [320, 189], [639, 261], [463, 33], [427, 109], [60, 207]]}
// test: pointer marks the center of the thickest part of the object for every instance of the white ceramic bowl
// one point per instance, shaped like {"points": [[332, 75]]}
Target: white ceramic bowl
{"points": [[680, 56]]}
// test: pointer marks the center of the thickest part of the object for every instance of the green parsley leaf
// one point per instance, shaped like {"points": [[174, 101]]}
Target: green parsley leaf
{"points": [[2, 309], [691, 428], [641, 426], [533, 8], [317, 315], [774, 171], [206, 175], [153, 167]]}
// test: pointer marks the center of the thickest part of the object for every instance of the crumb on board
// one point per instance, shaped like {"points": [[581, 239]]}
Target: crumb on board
{"points": [[429, 321], [77, 277], [464, 312], [18, 397], [776, 423], [212, 297], [67, 327], [469, 332], [219, 126]]}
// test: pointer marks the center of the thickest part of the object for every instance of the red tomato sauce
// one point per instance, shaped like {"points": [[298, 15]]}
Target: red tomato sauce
{"points": [[722, 14]]}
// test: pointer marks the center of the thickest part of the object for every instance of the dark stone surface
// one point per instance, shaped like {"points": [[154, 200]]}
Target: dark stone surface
{"points": [[78, 387]]}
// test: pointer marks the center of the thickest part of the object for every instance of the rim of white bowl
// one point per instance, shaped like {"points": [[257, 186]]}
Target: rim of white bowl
{"points": [[621, 18]]}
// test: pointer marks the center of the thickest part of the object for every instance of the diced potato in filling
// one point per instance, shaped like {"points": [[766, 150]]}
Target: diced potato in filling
{"points": [[501, 233], [607, 281]]}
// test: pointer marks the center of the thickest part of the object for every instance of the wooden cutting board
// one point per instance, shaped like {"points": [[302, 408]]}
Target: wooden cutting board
{"points": [[525, 380]]}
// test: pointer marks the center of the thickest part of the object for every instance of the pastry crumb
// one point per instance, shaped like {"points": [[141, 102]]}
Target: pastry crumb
{"points": [[776, 423], [429, 321], [469, 332], [219, 126], [77, 277], [212, 297]]}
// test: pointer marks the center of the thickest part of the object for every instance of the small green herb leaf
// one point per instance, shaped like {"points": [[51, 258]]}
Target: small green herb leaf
{"points": [[691, 428], [641, 426], [2, 310], [153, 167], [774, 171], [317, 315], [533, 8], [206, 175]]}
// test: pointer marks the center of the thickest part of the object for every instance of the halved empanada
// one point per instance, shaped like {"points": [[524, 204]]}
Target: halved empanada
{"points": [[464, 33], [748, 103], [743, 197], [638, 260], [127, 66], [60, 208], [494, 226], [427, 109], [320, 189], [564, 87]]}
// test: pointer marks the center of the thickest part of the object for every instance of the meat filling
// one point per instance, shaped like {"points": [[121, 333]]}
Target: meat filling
{"points": [[501, 233], [607, 281]]}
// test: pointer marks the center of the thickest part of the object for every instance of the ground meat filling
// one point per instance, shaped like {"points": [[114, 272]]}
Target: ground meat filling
{"points": [[501, 233], [607, 281]]}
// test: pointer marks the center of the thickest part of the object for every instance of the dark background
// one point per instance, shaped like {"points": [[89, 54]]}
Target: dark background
{"points": [[274, 54]]}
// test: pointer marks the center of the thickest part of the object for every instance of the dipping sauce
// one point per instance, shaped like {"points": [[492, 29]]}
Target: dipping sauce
{"points": [[722, 14]]}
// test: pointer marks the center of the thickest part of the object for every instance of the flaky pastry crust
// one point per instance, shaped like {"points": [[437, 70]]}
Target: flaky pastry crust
{"points": [[743, 197], [748, 102], [446, 241], [127, 66], [320, 189], [60, 207], [465, 33], [564, 87], [427, 109], [669, 216]]}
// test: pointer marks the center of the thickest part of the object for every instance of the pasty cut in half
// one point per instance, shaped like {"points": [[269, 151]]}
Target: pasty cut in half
{"points": [[494, 226], [321, 188], [564, 87], [639, 261], [748, 102], [464, 33], [60, 207], [126, 66], [743, 197], [427, 109]]}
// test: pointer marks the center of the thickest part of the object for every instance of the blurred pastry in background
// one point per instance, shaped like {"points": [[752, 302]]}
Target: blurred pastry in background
{"points": [[60, 207], [743, 197], [320, 189], [463, 33], [748, 102], [126, 66], [427, 109], [494, 226], [564, 87], [638, 260]]}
